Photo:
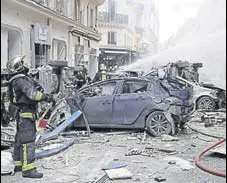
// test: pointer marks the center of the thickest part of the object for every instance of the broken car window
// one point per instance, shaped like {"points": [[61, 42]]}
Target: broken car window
{"points": [[134, 87], [108, 89], [99, 90]]}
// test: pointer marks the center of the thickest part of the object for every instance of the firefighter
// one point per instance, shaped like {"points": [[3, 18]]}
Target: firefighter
{"points": [[24, 98], [82, 77], [87, 77], [101, 75]]}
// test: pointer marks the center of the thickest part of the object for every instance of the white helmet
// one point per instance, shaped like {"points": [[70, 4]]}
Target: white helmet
{"points": [[16, 65], [102, 67]]}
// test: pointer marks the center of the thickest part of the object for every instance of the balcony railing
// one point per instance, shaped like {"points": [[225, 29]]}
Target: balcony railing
{"points": [[116, 18], [60, 6]]}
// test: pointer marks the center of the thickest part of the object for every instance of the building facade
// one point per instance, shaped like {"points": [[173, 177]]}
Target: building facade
{"points": [[129, 29], [146, 25], [59, 32], [117, 45]]}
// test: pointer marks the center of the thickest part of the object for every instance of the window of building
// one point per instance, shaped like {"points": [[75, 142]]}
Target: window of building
{"points": [[86, 43], [41, 54], [112, 38], [77, 10], [60, 6], [81, 17], [79, 54], [11, 44], [112, 9], [91, 18], [88, 16], [59, 50], [96, 15]]}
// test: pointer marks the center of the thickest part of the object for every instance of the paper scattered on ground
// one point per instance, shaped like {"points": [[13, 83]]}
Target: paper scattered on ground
{"points": [[119, 173], [183, 164]]}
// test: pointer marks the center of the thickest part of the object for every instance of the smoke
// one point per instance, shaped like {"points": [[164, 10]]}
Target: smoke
{"points": [[203, 42]]}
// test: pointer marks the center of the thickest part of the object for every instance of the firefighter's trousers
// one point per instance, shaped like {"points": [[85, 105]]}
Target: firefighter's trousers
{"points": [[24, 146]]}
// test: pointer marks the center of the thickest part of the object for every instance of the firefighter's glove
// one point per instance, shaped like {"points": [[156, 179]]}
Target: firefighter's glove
{"points": [[40, 88], [49, 98]]}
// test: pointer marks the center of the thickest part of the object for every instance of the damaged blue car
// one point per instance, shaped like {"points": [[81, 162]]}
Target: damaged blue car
{"points": [[130, 103]]}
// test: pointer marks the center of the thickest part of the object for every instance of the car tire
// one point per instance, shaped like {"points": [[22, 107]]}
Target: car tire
{"points": [[157, 124], [206, 103]]}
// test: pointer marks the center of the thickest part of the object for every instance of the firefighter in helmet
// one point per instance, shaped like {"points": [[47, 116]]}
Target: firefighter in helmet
{"points": [[101, 75], [24, 97], [82, 77]]}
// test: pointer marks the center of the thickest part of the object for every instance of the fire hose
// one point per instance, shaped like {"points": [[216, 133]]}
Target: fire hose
{"points": [[199, 165]]}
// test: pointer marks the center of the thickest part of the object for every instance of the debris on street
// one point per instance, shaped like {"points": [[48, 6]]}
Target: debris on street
{"points": [[179, 162], [93, 92], [160, 179], [208, 170], [114, 165], [119, 173], [133, 152], [59, 129], [167, 138], [201, 127], [221, 149], [7, 166], [54, 150]]}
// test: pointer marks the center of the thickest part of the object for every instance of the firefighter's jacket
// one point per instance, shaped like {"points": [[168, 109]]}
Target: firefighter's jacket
{"points": [[26, 94], [100, 76], [103, 75]]}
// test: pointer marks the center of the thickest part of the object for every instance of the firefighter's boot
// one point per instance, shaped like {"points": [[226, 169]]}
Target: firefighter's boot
{"points": [[29, 167], [17, 154], [18, 169], [32, 174]]}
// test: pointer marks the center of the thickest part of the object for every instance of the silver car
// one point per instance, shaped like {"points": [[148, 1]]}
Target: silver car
{"points": [[203, 97]]}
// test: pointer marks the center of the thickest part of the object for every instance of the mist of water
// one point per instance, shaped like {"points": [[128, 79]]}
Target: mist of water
{"points": [[204, 41]]}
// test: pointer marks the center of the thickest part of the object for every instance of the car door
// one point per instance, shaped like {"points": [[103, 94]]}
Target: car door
{"points": [[130, 101], [98, 106]]}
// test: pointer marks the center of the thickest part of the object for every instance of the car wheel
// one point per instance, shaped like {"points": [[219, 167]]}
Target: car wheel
{"points": [[157, 124], [206, 103]]}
